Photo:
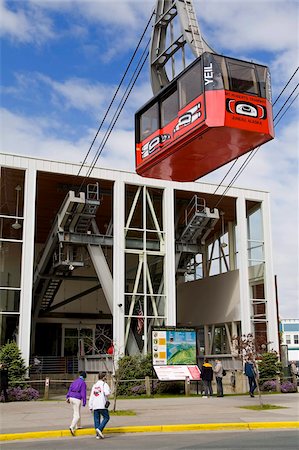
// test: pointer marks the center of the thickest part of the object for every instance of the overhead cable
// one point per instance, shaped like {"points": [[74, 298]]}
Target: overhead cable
{"points": [[254, 151], [115, 93]]}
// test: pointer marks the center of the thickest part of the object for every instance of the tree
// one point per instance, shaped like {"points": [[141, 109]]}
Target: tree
{"points": [[10, 355], [269, 366]]}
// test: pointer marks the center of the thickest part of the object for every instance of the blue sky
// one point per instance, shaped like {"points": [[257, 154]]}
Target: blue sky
{"points": [[61, 61]]}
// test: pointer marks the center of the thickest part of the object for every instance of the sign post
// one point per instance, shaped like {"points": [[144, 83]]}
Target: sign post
{"points": [[174, 355]]}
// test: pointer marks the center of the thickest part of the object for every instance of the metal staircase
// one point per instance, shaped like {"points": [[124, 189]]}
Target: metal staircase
{"points": [[199, 221], [61, 255]]}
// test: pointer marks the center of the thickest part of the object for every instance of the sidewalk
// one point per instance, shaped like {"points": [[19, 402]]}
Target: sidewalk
{"points": [[44, 419]]}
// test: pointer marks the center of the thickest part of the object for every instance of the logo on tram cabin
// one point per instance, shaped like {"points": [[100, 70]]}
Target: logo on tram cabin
{"points": [[153, 144], [188, 117], [208, 74], [246, 109]]}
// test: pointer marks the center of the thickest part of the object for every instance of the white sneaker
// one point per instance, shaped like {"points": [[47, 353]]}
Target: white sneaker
{"points": [[97, 437], [204, 396], [99, 434], [72, 431]]}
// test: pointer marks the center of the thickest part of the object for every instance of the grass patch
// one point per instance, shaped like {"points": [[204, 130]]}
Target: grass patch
{"points": [[263, 407], [122, 412]]}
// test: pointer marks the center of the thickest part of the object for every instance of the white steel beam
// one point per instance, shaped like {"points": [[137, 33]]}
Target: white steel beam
{"points": [[169, 268], [269, 281], [103, 272], [119, 267], [27, 263], [241, 242]]}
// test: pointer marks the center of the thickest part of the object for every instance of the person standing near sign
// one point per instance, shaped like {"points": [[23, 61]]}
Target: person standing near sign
{"points": [[218, 371], [207, 377]]}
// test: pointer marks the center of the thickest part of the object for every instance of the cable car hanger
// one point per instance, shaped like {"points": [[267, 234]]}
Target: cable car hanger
{"points": [[215, 110], [166, 11]]}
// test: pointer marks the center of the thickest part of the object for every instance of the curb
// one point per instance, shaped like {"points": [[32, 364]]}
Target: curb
{"points": [[151, 429]]}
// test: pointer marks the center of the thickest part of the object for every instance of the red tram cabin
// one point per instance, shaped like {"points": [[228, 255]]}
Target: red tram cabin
{"points": [[215, 111]]}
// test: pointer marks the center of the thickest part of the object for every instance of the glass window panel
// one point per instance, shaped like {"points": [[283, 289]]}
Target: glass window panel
{"points": [[220, 342], [134, 239], [71, 346], [155, 305], [154, 211], [11, 228], [131, 273], [255, 226], [10, 264], [9, 300], [156, 270], [71, 332], [11, 191], [242, 77], [134, 196], [9, 328], [134, 305], [213, 71], [149, 121], [137, 330], [262, 73], [169, 108], [154, 241], [190, 85]]}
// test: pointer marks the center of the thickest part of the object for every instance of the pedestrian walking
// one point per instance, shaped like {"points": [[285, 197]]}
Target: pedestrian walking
{"points": [[76, 396], [207, 377], [98, 403], [218, 371], [4, 381], [249, 371]]}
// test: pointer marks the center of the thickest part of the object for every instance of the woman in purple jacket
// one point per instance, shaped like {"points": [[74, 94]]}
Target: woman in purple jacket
{"points": [[76, 396]]}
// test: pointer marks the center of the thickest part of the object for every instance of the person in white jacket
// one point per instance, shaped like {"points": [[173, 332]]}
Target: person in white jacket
{"points": [[97, 403]]}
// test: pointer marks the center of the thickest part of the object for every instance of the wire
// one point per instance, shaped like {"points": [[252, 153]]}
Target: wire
{"points": [[286, 101], [115, 93], [286, 110], [296, 70], [114, 119]]}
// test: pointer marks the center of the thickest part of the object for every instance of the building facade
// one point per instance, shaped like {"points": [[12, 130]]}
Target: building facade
{"points": [[86, 261], [290, 337]]}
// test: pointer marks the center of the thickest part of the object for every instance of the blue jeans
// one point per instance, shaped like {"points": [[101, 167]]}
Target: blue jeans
{"points": [[219, 386], [97, 413], [252, 385], [208, 388]]}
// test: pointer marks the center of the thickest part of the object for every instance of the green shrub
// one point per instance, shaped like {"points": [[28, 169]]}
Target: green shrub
{"points": [[135, 367], [269, 366], [171, 387], [10, 355]]}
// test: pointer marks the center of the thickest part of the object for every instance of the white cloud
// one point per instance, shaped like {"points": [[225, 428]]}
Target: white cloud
{"points": [[246, 25], [24, 25]]}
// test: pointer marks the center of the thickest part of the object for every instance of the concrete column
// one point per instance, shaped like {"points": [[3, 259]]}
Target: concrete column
{"points": [[27, 263], [269, 280], [118, 268], [242, 245], [169, 267]]}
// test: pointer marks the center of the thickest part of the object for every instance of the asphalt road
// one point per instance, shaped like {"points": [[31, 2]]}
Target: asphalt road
{"points": [[239, 440]]}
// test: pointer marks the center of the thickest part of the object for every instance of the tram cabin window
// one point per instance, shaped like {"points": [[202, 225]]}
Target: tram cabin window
{"points": [[169, 108], [149, 121], [190, 85], [243, 78], [262, 74]]}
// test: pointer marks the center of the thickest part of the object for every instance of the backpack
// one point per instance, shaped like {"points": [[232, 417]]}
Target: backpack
{"points": [[223, 372]]}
